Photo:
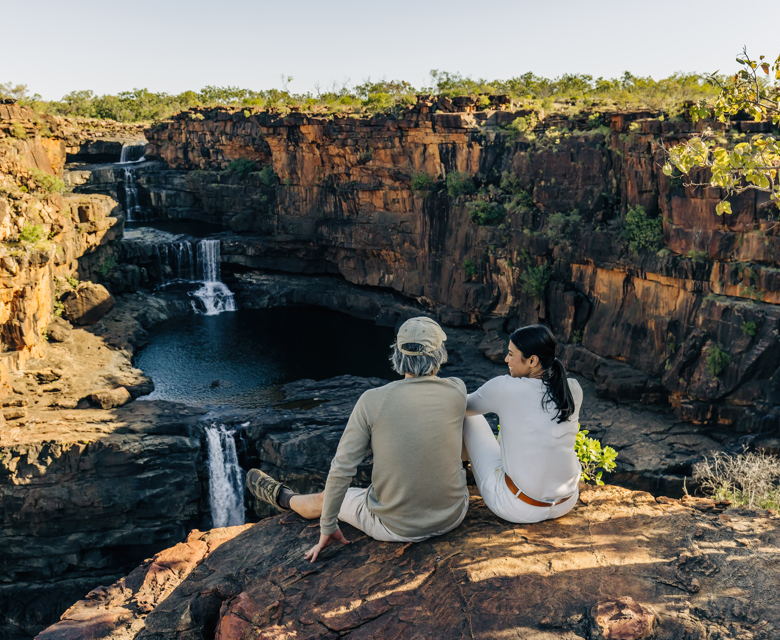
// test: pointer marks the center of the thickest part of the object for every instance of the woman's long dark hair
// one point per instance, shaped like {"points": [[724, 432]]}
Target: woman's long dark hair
{"points": [[537, 340]]}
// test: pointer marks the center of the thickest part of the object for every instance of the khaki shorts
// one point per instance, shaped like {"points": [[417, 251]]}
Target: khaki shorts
{"points": [[355, 512]]}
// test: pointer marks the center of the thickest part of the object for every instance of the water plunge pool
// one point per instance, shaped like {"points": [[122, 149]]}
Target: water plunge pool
{"points": [[236, 359]]}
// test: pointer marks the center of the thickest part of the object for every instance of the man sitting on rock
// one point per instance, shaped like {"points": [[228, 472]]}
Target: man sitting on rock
{"points": [[414, 427]]}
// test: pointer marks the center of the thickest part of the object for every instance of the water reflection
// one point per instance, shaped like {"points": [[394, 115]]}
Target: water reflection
{"points": [[236, 359]]}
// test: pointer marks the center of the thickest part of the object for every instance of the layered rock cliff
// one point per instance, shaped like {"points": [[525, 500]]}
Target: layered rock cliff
{"points": [[336, 197], [43, 234]]}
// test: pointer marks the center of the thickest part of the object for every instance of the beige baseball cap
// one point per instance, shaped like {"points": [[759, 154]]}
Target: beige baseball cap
{"points": [[422, 331]]}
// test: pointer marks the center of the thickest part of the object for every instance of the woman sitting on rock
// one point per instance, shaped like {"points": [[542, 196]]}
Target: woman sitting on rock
{"points": [[531, 472]]}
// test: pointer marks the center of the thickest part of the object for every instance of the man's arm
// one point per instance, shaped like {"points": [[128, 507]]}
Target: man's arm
{"points": [[350, 453]]}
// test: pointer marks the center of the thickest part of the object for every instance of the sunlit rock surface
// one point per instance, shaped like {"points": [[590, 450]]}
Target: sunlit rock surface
{"points": [[619, 565]]}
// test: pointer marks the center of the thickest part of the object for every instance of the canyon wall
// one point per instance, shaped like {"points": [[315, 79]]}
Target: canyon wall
{"points": [[43, 234], [335, 196]]}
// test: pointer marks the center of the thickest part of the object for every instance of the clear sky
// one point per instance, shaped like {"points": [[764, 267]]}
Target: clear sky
{"points": [[55, 46]]}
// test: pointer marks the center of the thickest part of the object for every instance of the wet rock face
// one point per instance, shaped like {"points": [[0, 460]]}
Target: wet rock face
{"points": [[620, 565], [341, 202]]}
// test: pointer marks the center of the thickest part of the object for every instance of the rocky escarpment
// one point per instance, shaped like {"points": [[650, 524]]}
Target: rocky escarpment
{"points": [[620, 565], [43, 235], [336, 196]]}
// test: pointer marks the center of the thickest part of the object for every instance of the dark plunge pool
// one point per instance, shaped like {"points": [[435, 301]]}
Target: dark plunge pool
{"points": [[236, 358]]}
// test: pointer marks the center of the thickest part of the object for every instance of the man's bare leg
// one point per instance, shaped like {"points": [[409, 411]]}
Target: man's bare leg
{"points": [[307, 505]]}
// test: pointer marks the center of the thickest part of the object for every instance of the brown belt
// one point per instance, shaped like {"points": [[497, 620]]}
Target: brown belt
{"points": [[521, 496]]}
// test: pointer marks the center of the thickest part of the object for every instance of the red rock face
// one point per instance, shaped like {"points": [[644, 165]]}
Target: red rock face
{"points": [[341, 201], [70, 226]]}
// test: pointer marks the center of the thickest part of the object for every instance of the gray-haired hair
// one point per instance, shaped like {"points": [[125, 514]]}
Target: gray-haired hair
{"points": [[419, 365]]}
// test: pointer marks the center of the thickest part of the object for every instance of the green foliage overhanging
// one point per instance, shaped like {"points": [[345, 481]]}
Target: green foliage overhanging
{"points": [[755, 164]]}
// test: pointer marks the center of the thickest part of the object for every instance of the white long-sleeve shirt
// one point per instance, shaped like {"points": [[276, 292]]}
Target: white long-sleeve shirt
{"points": [[537, 451]]}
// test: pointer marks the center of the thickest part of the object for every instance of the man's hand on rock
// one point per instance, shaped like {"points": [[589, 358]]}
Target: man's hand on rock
{"points": [[325, 540]]}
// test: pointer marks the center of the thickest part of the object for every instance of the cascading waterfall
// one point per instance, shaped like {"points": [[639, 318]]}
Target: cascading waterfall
{"points": [[226, 479], [132, 208], [131, 154], [214, 294]]}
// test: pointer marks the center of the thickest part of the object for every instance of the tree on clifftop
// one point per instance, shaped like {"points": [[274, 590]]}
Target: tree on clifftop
{"points": [[754, 90]]}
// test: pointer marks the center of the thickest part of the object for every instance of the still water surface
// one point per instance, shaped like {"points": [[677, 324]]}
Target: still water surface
{"points": [[236, 358]]}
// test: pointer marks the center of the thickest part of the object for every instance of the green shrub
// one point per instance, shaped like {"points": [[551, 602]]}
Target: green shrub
{"points": [[422, 182], [32, 233], [47, 182], [592, 455], [485, 213], [522, 124], [470, 268], [510, 183], [745, 479], [243, 167], [460, 184], [108, 266], [561, 226], [267, 176], [642, 233], [717, 360], [59, 308], [749, 328], [534, 281], [17, 130], [522, 201], [73, 282]]}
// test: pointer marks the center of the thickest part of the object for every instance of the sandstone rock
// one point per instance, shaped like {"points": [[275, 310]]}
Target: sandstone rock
{"points": [[110, 398], [493, 346], [14, 413], [485, 580], [634, 311], [118, 612], [87, 304], [59, 330], [621, 619]]}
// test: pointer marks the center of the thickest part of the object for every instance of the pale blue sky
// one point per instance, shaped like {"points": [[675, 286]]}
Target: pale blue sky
{"points": [[169, 45]]}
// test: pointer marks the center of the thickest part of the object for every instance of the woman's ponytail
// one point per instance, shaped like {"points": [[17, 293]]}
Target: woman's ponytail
{"points": [[537, 340], [557, 390]]}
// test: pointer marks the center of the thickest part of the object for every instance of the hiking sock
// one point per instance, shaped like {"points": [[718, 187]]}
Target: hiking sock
{"points": [[283, 499]]}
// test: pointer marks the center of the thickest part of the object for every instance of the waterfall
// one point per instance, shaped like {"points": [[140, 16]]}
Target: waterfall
{"points": [[183, 265], [214, 294], [226, 479], [132, 208], [132, 152]]}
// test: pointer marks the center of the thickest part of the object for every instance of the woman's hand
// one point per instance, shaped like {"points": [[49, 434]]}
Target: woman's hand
{"points": [[325, 540]]}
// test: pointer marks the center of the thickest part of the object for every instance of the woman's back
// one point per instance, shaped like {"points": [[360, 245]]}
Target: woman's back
{"points": [[537, 451]]}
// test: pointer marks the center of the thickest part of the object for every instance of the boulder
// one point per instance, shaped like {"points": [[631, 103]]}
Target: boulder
{"points": [[87, 303], [110, 398], [493, 346], [59, 330]]}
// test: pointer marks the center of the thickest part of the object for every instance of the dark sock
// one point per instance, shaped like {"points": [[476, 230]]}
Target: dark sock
{"points": [[283, 499]]}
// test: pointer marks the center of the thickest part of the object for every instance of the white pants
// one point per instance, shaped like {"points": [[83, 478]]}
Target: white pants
{"points": [[355, 512], [485, 455]]}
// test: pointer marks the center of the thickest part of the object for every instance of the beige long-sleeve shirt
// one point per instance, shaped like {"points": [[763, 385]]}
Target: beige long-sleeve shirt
{"points": [[414, 427]]}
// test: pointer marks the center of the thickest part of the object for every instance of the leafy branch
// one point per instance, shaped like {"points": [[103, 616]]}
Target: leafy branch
{"points": [[749, 165]]}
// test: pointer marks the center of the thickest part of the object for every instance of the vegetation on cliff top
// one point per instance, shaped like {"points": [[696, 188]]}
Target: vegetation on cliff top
{"points": [[566, 93]]}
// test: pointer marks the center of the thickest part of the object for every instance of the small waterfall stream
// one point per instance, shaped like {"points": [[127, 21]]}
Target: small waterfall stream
{"points": [[132, 153], [214, 294], [226, 479]]}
